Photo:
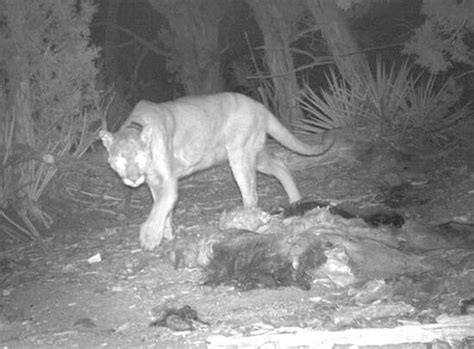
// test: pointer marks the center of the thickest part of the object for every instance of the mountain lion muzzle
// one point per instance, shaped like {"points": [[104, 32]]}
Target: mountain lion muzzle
{"points": [[160, 143]]}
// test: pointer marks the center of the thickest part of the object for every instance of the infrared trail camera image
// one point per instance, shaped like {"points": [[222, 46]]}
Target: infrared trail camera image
{"points": [[236, 173]]}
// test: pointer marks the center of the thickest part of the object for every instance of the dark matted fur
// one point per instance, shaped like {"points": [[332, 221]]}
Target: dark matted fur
{"points": [[249, 260], [374, 219]]}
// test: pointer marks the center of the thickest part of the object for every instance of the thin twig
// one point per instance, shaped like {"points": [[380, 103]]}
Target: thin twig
{"points": [[12, 222]]}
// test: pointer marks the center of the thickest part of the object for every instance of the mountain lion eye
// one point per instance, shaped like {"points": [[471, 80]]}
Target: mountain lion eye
{"points": [[121, 163]]}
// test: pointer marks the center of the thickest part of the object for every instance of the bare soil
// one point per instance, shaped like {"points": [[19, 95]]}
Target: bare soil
{"points": [[53, 297]]}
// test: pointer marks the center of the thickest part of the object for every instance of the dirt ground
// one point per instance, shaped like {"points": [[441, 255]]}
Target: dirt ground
{"points": [[54, 297]]}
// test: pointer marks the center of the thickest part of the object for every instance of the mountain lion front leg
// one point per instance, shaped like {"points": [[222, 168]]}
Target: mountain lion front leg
{"points": [[158, 223]]}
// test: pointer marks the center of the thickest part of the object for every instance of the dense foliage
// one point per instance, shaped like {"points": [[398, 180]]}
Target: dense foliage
{"points": [[49, 97]]}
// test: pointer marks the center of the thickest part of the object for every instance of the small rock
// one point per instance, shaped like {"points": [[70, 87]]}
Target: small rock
{"points": [[68, 268], [48, 158], [117, 289], [95, 259], [461, 219], [122, 328], [85, 323]]}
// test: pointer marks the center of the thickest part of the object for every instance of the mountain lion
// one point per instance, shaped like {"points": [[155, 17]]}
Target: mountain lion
{"points": [[160, 143]]}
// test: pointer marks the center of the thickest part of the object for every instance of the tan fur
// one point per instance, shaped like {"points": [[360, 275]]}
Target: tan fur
{"points": [[160, 143]]}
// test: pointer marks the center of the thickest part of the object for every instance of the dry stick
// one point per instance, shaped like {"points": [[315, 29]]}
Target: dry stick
{"points": [[448, 329], [103, 196], [12, 222], [33, 232], [11, 233], [81, 149], [329, 59], [103, 119], [139, 61], [8, 138], [263, 83], [254, 60], [140, 40], [113, 213]]}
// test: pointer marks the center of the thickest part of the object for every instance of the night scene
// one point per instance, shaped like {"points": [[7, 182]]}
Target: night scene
{"points": [[237, 174]]}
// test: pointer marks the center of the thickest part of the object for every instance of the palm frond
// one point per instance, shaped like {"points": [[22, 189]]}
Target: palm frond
{"points": [[339, 107], [398, 101]]}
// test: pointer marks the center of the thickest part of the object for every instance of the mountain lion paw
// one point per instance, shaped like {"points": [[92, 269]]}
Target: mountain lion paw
{"points": [[150, 237]]}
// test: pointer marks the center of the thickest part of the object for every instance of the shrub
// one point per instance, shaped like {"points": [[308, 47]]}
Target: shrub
{"points": [[398, 103], [50, 95]]}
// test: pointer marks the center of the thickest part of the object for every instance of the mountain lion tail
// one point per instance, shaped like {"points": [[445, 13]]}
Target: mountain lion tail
{"points": [[288, 140]]}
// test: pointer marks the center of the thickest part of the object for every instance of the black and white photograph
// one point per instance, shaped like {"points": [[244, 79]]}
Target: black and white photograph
{"points": [[237, 174]]}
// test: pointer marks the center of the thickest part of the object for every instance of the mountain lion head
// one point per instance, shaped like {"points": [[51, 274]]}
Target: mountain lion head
{"points": [[128, 153]]}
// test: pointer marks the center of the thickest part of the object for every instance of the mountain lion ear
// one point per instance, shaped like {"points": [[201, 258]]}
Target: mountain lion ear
{"points": [[107, 138], [146, 134]]}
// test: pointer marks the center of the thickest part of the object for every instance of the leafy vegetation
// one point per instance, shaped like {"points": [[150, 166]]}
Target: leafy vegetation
{"points": [[339, 106], [443, 39], [50, 101], [399, 103]]}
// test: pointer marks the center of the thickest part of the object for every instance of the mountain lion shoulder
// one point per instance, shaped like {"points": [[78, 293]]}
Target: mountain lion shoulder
{"points": [[160, 143]]}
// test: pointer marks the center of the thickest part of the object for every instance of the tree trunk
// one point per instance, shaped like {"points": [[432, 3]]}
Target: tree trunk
{"points": [[194, 30], [111, 40], [276, 19], [351, 63]]}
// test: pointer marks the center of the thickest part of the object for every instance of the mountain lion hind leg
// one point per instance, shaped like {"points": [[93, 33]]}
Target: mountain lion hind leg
{"points": [[270, 165], [244, 170]]}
